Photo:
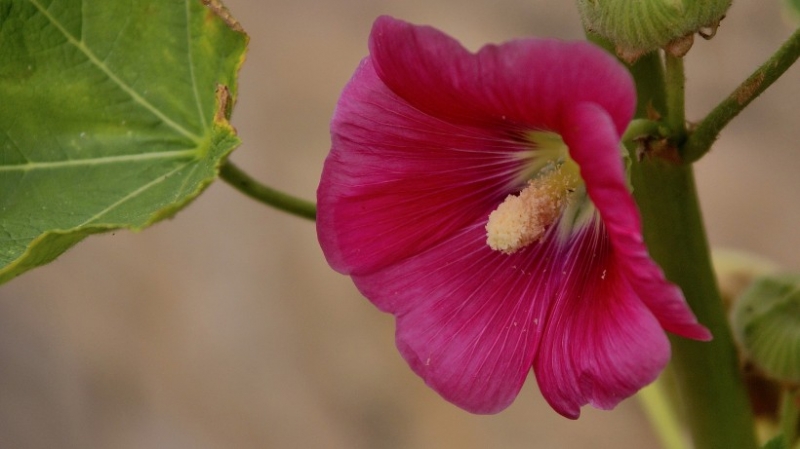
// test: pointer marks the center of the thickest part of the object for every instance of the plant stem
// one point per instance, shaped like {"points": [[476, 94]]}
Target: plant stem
{"points": [[711, 389], [706, 132], [648, 71], [713, 394], [242, 182]]}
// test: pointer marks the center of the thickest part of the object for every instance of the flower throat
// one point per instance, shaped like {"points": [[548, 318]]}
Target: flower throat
{"points": [[523, 219]]}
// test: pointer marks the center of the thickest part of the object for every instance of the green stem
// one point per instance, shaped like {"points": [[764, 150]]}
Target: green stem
{"points": [[240, 180], [712, 392], [648, 71], [789, 416], [675, 89], [706, 132]]}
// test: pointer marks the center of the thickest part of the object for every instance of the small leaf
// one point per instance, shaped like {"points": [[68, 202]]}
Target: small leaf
{"points": [[113, 115]]}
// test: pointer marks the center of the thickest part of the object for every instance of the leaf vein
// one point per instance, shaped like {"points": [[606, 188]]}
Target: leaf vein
{"points": [[125, 158], [131, 195], [80, 45], [190, 54]]}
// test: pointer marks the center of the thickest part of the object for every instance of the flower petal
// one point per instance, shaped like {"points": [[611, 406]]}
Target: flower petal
{"points": [[527, 81], [468, 318], [437, 145], [398, 181], [427, 139], [589, 133], [601, 343]]}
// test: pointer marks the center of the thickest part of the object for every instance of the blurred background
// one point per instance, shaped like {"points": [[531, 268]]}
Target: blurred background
{"points": [[225, 328]]}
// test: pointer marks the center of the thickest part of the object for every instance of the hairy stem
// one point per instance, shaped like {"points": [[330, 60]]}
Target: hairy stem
{"points": [[708, 129]]}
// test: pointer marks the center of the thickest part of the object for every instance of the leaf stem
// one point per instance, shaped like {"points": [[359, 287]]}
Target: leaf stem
{"points": [[242, 182], [706, 132]]}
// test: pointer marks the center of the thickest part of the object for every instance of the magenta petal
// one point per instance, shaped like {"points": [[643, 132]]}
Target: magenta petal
{"points": [[398, 181], [601, 343], [589, 133], [526, 81], [426, 130], [468, 318]]}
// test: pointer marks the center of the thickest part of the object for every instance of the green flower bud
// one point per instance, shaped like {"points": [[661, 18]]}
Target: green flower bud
{"points": [[766, 322], [639, 26]]}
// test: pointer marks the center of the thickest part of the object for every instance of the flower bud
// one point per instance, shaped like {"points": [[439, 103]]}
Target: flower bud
{"points": [[637, 27], [766, 323]]}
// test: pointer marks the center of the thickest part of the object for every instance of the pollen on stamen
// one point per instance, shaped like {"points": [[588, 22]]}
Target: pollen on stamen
{"points": [[522, 219]]}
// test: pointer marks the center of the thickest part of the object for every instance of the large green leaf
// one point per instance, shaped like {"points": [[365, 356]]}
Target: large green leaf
{"points": [[113, 114]]}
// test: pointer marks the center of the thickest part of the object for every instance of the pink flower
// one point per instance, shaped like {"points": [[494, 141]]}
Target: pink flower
{"points": [[429, 141]]}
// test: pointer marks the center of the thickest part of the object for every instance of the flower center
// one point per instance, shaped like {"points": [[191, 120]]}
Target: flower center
{"points": [[523, 219]]}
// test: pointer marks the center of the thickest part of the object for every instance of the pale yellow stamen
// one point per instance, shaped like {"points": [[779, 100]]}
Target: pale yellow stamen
{"points": [[523, 219]]}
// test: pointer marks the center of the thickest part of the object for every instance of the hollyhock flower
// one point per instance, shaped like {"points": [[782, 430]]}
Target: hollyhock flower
{"points": [[481, 199]]}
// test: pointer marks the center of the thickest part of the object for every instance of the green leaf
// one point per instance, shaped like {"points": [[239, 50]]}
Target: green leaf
{"points": [[113, 114]]}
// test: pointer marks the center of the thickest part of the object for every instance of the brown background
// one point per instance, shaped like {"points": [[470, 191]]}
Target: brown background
{"points": [[224, 328]]}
